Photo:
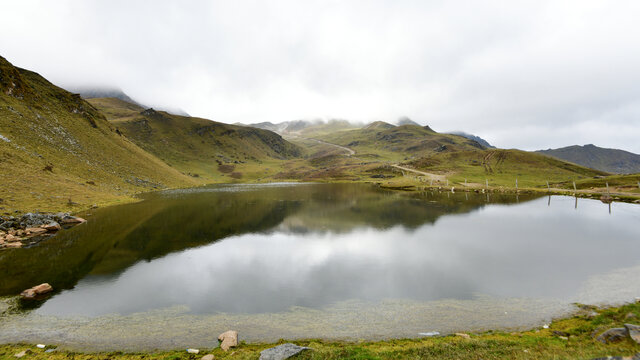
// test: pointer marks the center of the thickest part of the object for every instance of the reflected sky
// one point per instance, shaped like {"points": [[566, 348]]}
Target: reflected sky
{"points": [[526, 250]]}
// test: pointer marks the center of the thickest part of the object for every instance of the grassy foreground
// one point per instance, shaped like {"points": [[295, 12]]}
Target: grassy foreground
{"points": [[568, 338]]}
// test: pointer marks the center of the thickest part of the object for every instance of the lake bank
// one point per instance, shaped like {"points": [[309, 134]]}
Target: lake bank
{"points": [[572, 337]]}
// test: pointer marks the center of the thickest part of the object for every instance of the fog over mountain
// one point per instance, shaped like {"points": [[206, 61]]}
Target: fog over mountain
{"points": [[529, 75]]}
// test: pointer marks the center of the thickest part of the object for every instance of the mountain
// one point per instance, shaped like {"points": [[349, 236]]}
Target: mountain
{"points": [[609, 160], [480, 140], [406, 121], [207, 149], [57, 151], [88, 92]]}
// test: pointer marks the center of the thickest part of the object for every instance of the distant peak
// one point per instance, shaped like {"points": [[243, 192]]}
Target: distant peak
{"points": [[379, 125]]}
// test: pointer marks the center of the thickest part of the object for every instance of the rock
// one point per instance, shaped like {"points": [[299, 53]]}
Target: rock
{"points": [[11, 238], [612, 335], [560, 333], [430, 333], [52, 226], [22, 353], [35, 291], [208, 357], [35, 231], [634, 332], [282, 352], [72, 220], [607, 199], [463, 335], [228, 339], [13, 245]]}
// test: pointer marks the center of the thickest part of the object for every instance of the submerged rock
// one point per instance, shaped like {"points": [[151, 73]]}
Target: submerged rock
{"points": [[228, 339], [36, 291], [282, 352]]}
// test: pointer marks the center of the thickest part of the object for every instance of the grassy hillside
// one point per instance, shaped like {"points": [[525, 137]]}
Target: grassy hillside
{"points": [[208, 150], [399, 142], [609, 160], [57, 152], [501, 168]]}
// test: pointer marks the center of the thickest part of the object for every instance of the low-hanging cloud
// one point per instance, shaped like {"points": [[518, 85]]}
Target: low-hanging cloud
{"points": [[525, 74]]}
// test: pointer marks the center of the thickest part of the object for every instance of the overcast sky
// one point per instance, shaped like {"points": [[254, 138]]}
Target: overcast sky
{"points": [[521, 74]]}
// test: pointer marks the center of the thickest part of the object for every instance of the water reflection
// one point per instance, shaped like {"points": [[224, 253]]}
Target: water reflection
{"points": [[252, 249]]}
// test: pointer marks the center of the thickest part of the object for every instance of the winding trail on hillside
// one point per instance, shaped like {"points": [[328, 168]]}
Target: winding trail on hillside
{"points": [[349, 152], [429, 175]]}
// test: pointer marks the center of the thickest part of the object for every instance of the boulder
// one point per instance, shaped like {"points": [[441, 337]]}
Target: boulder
{"points": [[13, 245], [52, 226], [634, 332], [36, 291], [228, 339], [612, 335], [35, 231], [282, 352], [72, 220], [208, 357], [463, 335], [11, 238]]}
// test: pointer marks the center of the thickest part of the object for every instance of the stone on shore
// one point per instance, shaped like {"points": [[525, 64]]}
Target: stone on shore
{"points": [[72, 220], [208, 357], [23, 353], [612, 335], [282, 352], [634, 332], [13, 245], [35, 291], [35, 231], [228, 339], [53, 226]]}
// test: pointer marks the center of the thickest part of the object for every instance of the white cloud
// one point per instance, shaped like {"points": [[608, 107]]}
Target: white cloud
{"points": [[527, 74]]}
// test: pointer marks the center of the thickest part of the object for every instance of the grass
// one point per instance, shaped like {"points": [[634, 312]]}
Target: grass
{"points": [[567, 338], [62, 154]]}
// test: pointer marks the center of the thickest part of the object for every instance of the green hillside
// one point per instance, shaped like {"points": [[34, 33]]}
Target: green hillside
{"points": [[57, 152], [501, 168], [609, 160], [398, 142], [208, 150]]}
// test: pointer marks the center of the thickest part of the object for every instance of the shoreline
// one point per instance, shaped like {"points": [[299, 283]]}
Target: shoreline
{"points": [[575, 336]]}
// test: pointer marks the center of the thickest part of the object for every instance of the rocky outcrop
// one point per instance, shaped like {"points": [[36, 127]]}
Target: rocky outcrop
{"points": [[282, 352], [32, 227], [228, 339]]}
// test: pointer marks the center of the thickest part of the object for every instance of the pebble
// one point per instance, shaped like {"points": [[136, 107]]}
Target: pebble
{"points": [[430, 333]]}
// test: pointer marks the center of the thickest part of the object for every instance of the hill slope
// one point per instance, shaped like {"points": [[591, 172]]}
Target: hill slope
{"points": [[58, 152], [397, 142], [207, 149], [609, 160]]}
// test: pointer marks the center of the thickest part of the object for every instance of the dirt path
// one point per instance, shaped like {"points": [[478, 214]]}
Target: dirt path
{"points": [[429, 175], [344, 148]]}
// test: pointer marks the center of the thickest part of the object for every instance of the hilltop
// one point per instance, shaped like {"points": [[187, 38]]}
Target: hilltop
{"points": [[609, 160], [59, 152], [206, 149]]}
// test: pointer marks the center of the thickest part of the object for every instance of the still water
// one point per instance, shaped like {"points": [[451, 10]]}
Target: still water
{"points": [[317, 261]]}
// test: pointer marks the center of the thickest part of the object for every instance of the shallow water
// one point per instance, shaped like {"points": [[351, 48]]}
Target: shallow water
{"points": [[336, 261]]}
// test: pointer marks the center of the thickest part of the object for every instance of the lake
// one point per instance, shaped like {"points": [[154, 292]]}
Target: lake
{"points": [[334, 261]]}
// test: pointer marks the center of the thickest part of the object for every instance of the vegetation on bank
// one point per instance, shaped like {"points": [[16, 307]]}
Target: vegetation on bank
{"points": [[569, 338]]}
